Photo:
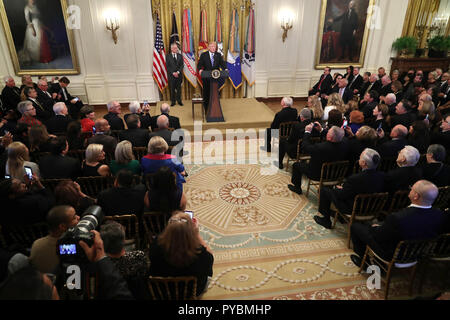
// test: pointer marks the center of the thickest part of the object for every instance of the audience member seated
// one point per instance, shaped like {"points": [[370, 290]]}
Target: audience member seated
{"points": [[335, 119], [132, 265], [137, 136], [163, 194], [333, 149], [367, 182], [403, 115], [397, 89], [123, 198], [74, 138], [380, 113], [426, 111], [391, 148], [59, 123], [10, 94], [391, 102], [372, 84], [164, 132], [315, 106], [102, 136], [8, 123], [27, 82], [368, 104], [114, 110], [87, 119], [180, 251], [356, 83], [143, 114], [24, 203], [18, 159], [419, 136], [417, 222], [44, 97], [57, 165], [28, 114], [334, 102], [74, 104], [435, 170], [69, 193], [43, 254], [343, 91], [124, 159], [174, 122], [323, 86], [366, 137], [41, 112], [157, 158], [39, 139], [442, 136], [386, 87], [407, 173], [93, 166], [287, 114], [356, 121]]}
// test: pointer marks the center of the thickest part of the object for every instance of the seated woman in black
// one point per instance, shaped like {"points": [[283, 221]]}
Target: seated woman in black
{"points": [[93, 166], [164, 195], [180, 251]]}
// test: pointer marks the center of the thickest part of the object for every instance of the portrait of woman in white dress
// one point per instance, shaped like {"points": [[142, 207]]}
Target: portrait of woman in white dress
{"points": [[35, 47]]}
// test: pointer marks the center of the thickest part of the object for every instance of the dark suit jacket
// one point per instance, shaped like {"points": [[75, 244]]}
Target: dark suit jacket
{"points": [[349, 24], [365, 88], [325, 87], [408, 224], [322, 153], [58, 124], [59, 167], [10, 97], [174, 122], [367, 110], [402, 178], [122, 201], [174, 66], [204, 63], [137, 137], [347, 96], [114, 121], [45, 100], [285, 115], [438, 173], [442, 138], [356, 83], [42, 114], [166, 135], [390, 148], [145, 118], [56, 88], [405, 119], [109, 143], [384, 91]]}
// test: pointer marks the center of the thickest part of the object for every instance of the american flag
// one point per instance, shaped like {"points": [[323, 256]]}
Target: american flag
{"points": [[159, 59]]}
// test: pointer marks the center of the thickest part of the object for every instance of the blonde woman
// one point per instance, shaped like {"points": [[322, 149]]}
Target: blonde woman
{"points": [[181, 251], [18, 159], [334, 102], [124, 159], [315, 106], [93, 166]]}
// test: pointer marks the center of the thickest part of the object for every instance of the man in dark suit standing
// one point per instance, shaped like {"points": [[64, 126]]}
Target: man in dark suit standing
{"points": [[209, 60], [417, 222], [174, 122], [73, 103], [334, 149], [348, 30], [323, 86], [175, 65], [137, 136], [10, 94], [368, 181]]}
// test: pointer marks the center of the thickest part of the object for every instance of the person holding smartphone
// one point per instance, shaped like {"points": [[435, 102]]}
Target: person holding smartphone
{"points": [[18, 165]]}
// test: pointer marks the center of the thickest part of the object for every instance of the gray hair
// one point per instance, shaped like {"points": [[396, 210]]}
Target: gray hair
{"points": [[287, 101], [134, 107], [6, 79], [110, 105], [305, 114], [113, 236], [438, 152], [22, 106], [371, 158], [165, 108], [411, 155], [338, 133], [58, 107], [42, 82], [124, 152], [93, 151], [391, 97]]}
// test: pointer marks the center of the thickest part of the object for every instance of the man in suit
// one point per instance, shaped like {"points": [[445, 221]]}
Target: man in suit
{"points": [[287, 114], [391, 101], [115, 122], [367, 105], [137, 136], [348, 30], [372, 84], [163, 131], [42, 113], [417, 222], [323, 86], [386, 87], [73, 103], [403, 115], [10, 94], [175, 65], [59, 122], [333, 149], [343, 90], [357, 82], [391, 148], [368, 181], [208, 61], [102, 136], [174, 122], [444, 94], [442, 136], [45, 97], [58, 165]]}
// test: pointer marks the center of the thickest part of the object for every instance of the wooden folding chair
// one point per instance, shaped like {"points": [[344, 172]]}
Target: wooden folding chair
{"points": [[154, 223], [286, 128], [77, 154], [131, 224], [440, 253], [442, 201], [24, 235], [406, 256], [140, 152], [173, 288], [299, 155], [365, 208], [51, 184], [399, 201], [92, 186]]}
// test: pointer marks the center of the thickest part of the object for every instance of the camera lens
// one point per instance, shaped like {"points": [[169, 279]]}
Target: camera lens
{"points": [[92, 217]]}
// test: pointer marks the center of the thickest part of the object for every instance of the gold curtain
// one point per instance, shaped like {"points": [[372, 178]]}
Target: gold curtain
{"points": [[166, 8], [420, 13]]}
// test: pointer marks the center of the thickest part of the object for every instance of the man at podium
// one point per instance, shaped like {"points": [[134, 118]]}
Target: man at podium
{"points": [[209, 60]]}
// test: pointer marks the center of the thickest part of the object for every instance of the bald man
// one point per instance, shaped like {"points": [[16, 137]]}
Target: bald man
{"points": [[417, 222], [163, 130], [102, 136], [174, 122], [391, 148]]}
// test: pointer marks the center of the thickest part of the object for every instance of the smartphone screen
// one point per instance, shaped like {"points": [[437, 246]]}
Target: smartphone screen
{"points": [[94, 130], [29, 172], [190, 213], [345, 124], [145, 103], [7, 177]]}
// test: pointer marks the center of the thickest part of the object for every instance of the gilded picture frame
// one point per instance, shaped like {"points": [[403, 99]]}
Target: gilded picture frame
{"points": [[343, 33], [39, 39]]}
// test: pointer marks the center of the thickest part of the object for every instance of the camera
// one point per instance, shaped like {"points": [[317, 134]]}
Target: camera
{"points": [[68, 249]]}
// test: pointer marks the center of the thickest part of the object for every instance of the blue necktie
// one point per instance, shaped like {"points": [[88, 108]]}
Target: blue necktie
{"points": [[212, 60]]}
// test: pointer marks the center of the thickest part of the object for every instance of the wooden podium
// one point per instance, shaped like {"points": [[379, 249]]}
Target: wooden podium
{"points": [[214, 108]]}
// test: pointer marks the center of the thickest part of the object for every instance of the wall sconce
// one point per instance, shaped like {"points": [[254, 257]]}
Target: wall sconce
{"points": [[287, 19], [112, 23]]}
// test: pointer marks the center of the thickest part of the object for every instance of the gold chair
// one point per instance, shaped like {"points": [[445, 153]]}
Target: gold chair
{"points": [[131, 224], [443, 199], [286, 128], [154, 223], [92, 186], [139, 152], [440, 253], [365, 208], [300, 156], [399, 201], [332, 174], [173, 288], [406, 256], [77, 154], [51, 184], [24, 235]]}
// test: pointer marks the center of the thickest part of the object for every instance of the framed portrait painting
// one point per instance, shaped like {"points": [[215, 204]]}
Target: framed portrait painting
{"points": [[38, 38], [343, 33]]}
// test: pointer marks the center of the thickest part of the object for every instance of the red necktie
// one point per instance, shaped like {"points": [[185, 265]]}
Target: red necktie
{"points": [[320, 84]]}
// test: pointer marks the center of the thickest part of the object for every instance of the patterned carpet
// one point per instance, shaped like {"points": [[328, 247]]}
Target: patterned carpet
{"points": [[266, 244]]}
